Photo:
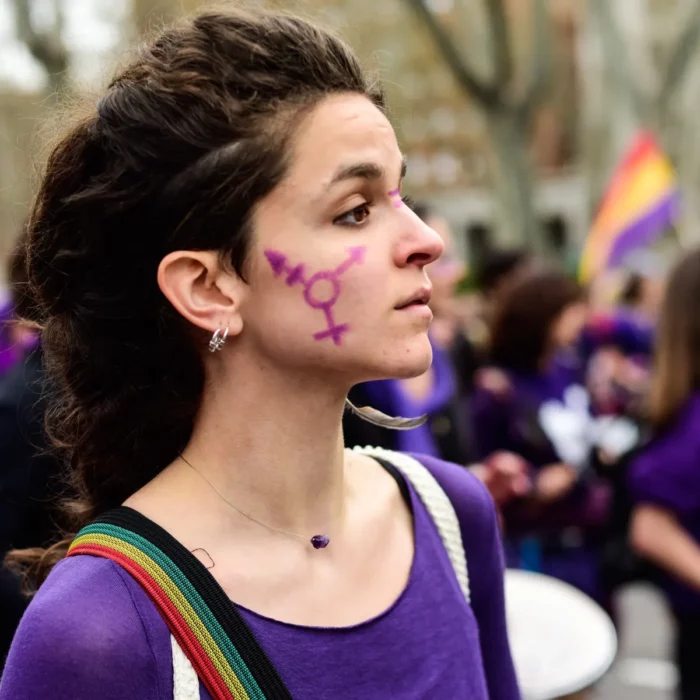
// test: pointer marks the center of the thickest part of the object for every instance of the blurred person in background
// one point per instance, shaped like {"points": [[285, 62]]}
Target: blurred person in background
{"points": [[643, 287], [16, 336], [448, 329], [539, 410], [9, 348], [664, 478], [28, 473], [199, 376], [497, 270], [616, 344]]}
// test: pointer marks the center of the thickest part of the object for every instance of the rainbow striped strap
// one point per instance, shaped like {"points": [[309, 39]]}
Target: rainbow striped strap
{"points": [[206, 624]]}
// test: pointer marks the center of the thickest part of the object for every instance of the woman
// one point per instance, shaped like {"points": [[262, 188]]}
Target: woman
{"points": [[237, 191], [664, 478], [539, 410]]}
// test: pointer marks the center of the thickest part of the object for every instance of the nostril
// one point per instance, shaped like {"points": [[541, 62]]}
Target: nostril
{"points": [[419, 259]]}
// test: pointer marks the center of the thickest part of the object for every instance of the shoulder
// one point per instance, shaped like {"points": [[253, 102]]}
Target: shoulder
{"points": [[470, 498], [473, 505], [481, 536], [90, 628]]}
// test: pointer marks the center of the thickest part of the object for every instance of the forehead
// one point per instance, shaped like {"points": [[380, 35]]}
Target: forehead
{"points": [[340, 131]]}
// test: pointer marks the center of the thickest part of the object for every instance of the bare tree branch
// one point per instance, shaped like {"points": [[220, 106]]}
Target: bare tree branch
{"points": [[680, 58], [500, 43], [46, 47], [486, 94], [619, 60], [541, 61]]}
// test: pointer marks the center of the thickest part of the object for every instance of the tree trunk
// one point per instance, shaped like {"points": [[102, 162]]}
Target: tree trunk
{"points": [[45, 45], [685, 142], [514, 206]]}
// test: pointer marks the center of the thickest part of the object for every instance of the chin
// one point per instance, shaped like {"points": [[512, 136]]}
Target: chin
{"points": [[410, 359]]}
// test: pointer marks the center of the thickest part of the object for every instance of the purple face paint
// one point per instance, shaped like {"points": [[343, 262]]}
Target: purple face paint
{"points": [[395, 195], [322, 290]]}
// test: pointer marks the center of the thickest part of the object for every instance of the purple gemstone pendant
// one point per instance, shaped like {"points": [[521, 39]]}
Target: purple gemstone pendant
{"points": [[320, 541]]}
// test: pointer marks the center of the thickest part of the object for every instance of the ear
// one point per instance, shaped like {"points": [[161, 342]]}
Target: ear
{"points": [[201, 291]]}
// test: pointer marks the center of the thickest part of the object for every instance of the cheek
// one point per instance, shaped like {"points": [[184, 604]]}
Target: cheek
{"points": [[323, 303]]}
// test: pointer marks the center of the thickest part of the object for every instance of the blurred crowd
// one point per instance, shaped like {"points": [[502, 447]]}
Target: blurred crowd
{"points": [[577, 407]]}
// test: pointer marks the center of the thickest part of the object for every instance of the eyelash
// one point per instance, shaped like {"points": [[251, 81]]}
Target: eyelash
{"points": [[365, 206], [407, 200]]}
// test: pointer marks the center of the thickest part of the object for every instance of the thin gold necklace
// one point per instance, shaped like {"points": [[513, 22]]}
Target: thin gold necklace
{"points": [[317, 541]]}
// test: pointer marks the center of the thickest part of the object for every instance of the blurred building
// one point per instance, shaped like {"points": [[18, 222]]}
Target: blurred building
{"points": [[444, 133]]}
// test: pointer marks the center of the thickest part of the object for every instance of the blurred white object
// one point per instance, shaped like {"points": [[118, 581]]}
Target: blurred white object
{"points": [[567, 424], [562, 642], [574, 431]]}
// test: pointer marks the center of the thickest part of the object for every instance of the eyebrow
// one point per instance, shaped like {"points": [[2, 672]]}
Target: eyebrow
{"points": [[366, 171]]}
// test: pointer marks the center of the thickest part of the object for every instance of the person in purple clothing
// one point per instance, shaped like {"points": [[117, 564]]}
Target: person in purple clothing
{"points": [[220, 250], [17, 336], [536, 406], [664, 478], [616, 349]]}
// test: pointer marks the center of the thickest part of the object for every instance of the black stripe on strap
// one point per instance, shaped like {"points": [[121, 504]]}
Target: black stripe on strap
{"points": [[399, 478]]}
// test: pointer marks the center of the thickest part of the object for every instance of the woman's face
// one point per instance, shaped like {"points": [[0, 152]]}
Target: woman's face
{"points": [[337, 282]]}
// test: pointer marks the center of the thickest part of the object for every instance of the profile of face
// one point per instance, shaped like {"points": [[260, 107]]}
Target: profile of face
{"points": [[567, 327], [335, 283]]}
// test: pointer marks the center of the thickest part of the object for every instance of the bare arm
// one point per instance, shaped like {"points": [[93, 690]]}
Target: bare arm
{"points": [[657, 535]]}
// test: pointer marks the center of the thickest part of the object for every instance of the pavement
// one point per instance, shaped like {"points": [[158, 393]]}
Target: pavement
{"points": [[644, 670]]}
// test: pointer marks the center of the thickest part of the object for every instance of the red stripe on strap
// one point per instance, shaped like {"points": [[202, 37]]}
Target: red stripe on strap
{"points": [[179, 627]]}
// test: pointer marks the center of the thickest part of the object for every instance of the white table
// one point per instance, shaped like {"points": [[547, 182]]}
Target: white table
{"points": [[561, 640]]}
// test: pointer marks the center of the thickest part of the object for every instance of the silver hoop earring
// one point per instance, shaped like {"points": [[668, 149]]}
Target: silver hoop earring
{"points": [[218, 340]]}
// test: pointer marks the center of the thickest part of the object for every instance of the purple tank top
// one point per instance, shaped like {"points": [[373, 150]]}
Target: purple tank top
{"points": [[92, 632]]}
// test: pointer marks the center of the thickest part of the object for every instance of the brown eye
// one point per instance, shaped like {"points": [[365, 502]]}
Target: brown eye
{"points": [[354, 217]]}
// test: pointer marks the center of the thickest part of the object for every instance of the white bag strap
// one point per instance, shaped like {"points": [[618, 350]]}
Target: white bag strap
{"points": [[440, 509], [185, 679], [436, 502]]}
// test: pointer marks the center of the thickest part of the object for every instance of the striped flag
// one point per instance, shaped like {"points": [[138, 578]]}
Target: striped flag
{"points": [[641, 203]]}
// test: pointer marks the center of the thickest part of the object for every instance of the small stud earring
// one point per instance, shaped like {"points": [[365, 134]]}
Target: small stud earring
{"points": [[218, 340]]}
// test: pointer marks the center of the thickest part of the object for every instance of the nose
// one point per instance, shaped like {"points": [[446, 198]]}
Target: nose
{"points": [[418, 245]]}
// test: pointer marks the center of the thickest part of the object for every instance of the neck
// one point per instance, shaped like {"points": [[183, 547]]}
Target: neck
{"points": [[272, 444]]}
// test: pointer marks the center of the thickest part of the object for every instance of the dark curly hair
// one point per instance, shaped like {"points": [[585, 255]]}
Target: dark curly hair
{"points": [[523, 320], [186, 140]]}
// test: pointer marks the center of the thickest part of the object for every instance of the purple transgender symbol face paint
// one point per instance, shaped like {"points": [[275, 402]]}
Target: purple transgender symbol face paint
{"points": [[395, 196], [322, 290]]}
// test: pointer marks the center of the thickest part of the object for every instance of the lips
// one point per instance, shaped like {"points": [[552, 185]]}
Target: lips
{"points": [[419, 298]]}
